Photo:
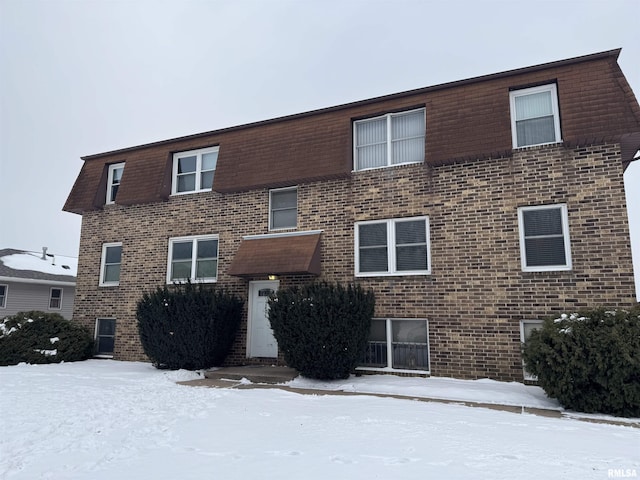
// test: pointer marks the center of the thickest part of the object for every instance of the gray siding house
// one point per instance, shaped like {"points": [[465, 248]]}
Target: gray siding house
{"points": [[32, 281]]}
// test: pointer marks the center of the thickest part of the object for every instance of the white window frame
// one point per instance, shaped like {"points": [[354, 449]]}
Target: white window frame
{"points": [[391, 248], [389, 338], [565, 235], [51, 298], [194, 252], [3, 298], [278, 190], [554, 105], [523, 339], [96, 337], [388, 117], [112, 169], [190, 153], [103, 259]]}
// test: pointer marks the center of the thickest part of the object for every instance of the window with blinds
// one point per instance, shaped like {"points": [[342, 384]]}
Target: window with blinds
{"points": [[391, 139], [392, 247], [534, 116], [544, 238]]}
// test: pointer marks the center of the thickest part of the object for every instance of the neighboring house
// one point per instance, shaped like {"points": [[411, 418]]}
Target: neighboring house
{"points": [[36, 281], [473, 209]]}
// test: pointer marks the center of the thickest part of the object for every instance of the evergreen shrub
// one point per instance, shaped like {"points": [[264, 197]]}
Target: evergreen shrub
{"points": [[589, 361], [40, 337], [188, 326], [322, 328]]}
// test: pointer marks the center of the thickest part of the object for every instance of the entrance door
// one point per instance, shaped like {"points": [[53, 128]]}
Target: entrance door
{"points": [[261, 342]]}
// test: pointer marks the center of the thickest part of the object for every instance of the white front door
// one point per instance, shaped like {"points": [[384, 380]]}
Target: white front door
{"points": [[261, 342]]}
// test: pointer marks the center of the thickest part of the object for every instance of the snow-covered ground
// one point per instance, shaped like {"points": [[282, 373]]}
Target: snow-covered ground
{"points": [[120, 420]]}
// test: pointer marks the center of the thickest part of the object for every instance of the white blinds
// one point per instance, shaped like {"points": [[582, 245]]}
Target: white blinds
{"points": [[390, 140], [535, 115]]}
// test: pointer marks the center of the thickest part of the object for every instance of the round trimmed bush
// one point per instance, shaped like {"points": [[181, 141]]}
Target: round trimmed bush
{"points": [[589, 361], [188, 326], [39, 337], [322, 328]]}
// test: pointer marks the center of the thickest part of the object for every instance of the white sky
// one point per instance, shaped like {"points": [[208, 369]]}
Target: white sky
{"points": [[84, 77]]}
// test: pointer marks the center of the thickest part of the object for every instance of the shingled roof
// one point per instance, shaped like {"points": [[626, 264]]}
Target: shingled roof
{"points": [[23, 267]]}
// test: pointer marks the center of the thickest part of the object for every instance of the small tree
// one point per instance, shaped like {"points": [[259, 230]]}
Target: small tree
{"points": [[40, 337], [322, 329], [589, 361], [188, 326]]}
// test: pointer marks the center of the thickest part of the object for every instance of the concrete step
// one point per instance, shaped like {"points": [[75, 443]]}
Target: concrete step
{"points": [[253, 373]]}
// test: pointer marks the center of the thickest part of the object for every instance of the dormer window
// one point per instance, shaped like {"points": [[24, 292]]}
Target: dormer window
{"points": [[388, 140], [193, 170], [535, 118], [113, 181]]}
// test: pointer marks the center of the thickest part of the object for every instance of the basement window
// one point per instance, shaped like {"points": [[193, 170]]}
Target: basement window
{"points": [[397, 344], [105, 336], [526, 328]]}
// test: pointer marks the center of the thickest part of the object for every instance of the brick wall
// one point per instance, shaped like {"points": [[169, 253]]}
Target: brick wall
{"points": [[476, 294]]}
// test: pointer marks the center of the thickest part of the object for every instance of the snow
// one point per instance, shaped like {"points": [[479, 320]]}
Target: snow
{"points": [[47, 353], [479, 391], [34, 262], [102, 419]]}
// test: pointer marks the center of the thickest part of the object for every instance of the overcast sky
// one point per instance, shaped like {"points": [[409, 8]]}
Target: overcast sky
{"points": [[84, 77]]}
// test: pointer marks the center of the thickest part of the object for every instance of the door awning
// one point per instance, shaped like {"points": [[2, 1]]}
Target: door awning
{"points": [[297, 253]]}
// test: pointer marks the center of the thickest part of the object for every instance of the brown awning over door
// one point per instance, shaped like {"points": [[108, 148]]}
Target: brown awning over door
{"points": [[277, 255]]}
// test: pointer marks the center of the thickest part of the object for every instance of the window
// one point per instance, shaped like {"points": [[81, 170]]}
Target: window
{"points": [[393, 247], [55, 299], [534, 116], [3, 296], [283, 208], [113, 181], [526, 327], [193, 258], [398, 344], [110, 264], [193, 170], [544, 238], [105, 336], [391, 139]]}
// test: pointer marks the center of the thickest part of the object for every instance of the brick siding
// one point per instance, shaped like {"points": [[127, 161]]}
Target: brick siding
{"points": [[474, 298]]}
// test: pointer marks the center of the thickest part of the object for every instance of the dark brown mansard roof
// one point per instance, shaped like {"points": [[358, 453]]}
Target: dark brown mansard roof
{"points": [[466, 119]]}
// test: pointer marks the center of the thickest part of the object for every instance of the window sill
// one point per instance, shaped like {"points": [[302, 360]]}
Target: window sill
{"points": [[394, 274], [557, 143], [393, 370], [184, 281], [387, 166], [547, 270], [190, 192], [109, 284]]}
